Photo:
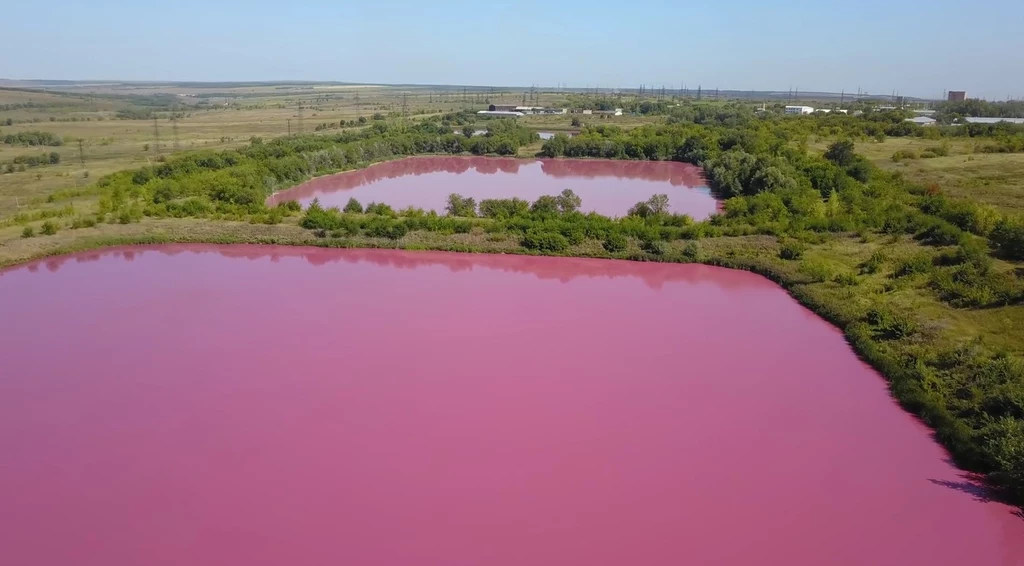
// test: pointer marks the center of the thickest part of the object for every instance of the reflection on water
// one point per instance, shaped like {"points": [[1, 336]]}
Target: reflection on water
{"points": [[653, 274], [266, 405], [606, 186]]}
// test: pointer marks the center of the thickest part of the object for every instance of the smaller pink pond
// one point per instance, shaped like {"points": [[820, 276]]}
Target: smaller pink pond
{"points": [[606, 187]]}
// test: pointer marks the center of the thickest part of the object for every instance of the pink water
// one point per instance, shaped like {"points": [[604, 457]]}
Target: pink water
{"points": [[258, 406], [606, 187]]}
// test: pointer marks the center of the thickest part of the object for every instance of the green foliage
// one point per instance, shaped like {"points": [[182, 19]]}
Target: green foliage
{"points": [[615, 242], [888, 325], [49, 228], [568, 201], [841, 153], [503, 209], [459, 205], [32, 138], [792, 250], [1008, 238], [545, 241], [353, 206], [380, 209], [28, 232]]}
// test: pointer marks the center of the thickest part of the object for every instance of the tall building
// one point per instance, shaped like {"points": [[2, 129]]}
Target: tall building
{"points": [[957, 96]]}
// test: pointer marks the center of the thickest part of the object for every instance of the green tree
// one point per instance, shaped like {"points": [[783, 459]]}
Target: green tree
{"points": [[841, 153], [569, 201], [459, 205], [353, 206]]}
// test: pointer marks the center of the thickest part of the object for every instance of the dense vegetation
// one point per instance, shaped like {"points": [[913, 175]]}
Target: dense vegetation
{"points": [[972, 395], [33, 138]]}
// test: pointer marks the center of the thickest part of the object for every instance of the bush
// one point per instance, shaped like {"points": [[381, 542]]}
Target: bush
{"points": [[353, 206], [503, 208], [1008, 238], [28, 232], [846, 279], [545, 241], [693, 252], [940, 233], [380, 209], [459, 205], [655, 247], [615, 242], [818, 271], [792, 250], [915, 264], [890, 326], [49, 228], [290, 206], [874, 263], [904, 154]]}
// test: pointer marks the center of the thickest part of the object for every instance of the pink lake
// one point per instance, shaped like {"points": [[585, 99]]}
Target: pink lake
{"points": [[609, 187], [254, 406]]}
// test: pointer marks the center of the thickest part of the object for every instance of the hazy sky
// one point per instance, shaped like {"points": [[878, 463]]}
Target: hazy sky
{"points": [[917, 48]]}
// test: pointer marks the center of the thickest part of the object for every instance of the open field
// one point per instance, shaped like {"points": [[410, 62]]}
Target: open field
{"points": [[996, 179]]}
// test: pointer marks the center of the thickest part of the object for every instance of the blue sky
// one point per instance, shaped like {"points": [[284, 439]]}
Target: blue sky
{"points": [[876, 45]]}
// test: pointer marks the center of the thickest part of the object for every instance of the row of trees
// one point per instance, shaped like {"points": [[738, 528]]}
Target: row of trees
{"points": [[33, 138], [20, 162]]}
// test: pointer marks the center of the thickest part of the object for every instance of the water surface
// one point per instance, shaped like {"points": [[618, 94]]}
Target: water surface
{"points": [[259, 406], [608, 187]]}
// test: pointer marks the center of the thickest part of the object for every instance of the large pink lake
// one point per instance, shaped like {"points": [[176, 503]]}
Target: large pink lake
{"points": [[607, 187], [265, 406]]}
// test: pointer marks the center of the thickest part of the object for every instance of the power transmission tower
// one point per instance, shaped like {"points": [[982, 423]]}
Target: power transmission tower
{"points": [[81, 153], [289, 126], [358, 111], [174, 129], [156, 136], [698, 91], [405, 104], [300, 124]]}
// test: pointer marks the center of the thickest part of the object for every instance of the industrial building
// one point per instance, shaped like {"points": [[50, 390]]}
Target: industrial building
{"points": [[799, 110], [922, 120], [956, 96], [521, 110]]}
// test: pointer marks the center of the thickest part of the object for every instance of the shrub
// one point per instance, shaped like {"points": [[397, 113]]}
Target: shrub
{"points": [[615, 242], [940, 233], [380, 209], [568, 201], [290, 206], [890, 326], [28, 232], [353, 206], [49, 228], [874, 263], [1008, 238], [818, 271], [904, 154], [846, 279], [917, 263], [792, 250], [503, 208], [655, 247], [693, 252], [573, 233], [459, 205], [545, 241]]}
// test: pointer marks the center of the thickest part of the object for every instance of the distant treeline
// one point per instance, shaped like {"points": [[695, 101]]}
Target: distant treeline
{"points": [[981, 108], [21, 162], [33, 138]]}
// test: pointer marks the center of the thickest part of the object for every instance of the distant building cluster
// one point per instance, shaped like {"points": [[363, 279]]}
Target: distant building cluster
{"points": [[513, 110], [800, 110]]}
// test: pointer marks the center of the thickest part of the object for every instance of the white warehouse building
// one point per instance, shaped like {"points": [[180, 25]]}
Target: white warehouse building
{"points": [[799, 110]]}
